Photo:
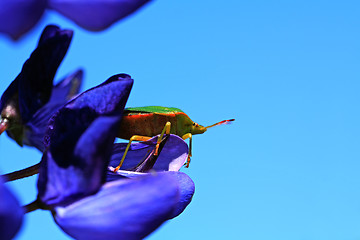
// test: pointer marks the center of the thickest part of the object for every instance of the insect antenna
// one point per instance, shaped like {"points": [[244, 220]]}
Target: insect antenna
{"points": [[221, 123]]}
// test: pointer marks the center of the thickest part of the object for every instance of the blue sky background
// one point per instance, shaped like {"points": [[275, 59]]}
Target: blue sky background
{"points": [[287, 71]]}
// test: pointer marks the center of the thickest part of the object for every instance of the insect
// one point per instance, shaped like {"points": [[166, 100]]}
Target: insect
{"points": [[142, 123]]}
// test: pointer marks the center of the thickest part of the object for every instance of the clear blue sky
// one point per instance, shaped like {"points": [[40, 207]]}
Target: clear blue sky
{"points": [[287, 71]]}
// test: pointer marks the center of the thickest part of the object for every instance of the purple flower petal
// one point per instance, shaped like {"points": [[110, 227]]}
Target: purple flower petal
{"points": [[187, 190], [186, 185], [37, 74], [171, 158], [96, 15], [32, 88], [121, 174], [67, 88], [35, 129], [79, 141], [105, 99], [74, 166], [125, 209], [38, 71], [19, 16], [11, 214]]}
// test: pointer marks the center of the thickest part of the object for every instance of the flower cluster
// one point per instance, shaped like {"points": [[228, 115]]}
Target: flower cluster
{"points": [[76, 133]]}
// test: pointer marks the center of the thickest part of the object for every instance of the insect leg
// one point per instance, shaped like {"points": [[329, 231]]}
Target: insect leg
{"points": [[133, 138], [186, 136], [166, 130]]}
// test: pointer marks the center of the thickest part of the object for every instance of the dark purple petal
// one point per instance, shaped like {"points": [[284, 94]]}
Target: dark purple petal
{"points": [[79, 141], [105, 99], [11, 214], [35, 129], [19, 16], [74, 165], [50, 31], [96, 15], [171, 158], [37, 74], [108, 97], [37, 60], [63, 91], [32, 88], [125, 209], [67, 88]]}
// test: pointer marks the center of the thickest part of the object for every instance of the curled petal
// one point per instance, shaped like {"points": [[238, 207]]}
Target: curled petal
{"points": [[37, 74], [19, 16], [96, 15], [124, 209], [172, 156], [11, 214], [109, 97]]}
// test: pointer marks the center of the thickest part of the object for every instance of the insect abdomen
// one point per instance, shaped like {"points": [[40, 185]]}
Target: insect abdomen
{"points": [[145, 124]]}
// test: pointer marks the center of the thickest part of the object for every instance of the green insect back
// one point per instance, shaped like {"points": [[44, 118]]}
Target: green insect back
{"points": [[152, 109]]}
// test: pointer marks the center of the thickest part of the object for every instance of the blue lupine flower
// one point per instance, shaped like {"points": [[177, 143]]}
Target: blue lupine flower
{"points": [[72, 179], [30, 100], [123, 209], [19, 16], [11, 214]]}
